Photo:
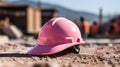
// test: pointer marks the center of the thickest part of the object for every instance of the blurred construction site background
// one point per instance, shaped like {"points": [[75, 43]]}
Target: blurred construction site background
{"points": [[22, 18]]}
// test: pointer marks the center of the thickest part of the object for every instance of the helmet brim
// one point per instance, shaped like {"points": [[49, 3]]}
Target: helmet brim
{"points": [[50, 49]]}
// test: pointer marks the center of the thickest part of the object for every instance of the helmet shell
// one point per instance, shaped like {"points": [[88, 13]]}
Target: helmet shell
{"points": [[57, 33]]}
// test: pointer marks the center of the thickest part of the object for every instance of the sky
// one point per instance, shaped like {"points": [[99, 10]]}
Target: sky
{"points": [[108, 6], [93, 6]]}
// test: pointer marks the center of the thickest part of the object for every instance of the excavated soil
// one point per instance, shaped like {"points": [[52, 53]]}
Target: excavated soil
{"points": [[12, 55]]}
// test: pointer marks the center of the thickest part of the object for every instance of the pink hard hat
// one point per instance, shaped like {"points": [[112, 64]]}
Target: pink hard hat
{"points": [[56, 35]]}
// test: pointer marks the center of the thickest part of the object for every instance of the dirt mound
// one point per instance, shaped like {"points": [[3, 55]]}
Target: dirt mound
{"points": [[12, 55]]}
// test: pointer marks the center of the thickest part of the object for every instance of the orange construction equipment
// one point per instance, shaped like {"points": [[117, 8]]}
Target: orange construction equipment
{"points": [[86, 26], [116, 28], [94, 29]]}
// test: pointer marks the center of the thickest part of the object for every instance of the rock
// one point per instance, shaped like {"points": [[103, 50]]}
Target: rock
{"points": [[4, 39]]}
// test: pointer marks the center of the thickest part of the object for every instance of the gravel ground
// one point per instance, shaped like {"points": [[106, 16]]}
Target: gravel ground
{"points": [[12, 55]]}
